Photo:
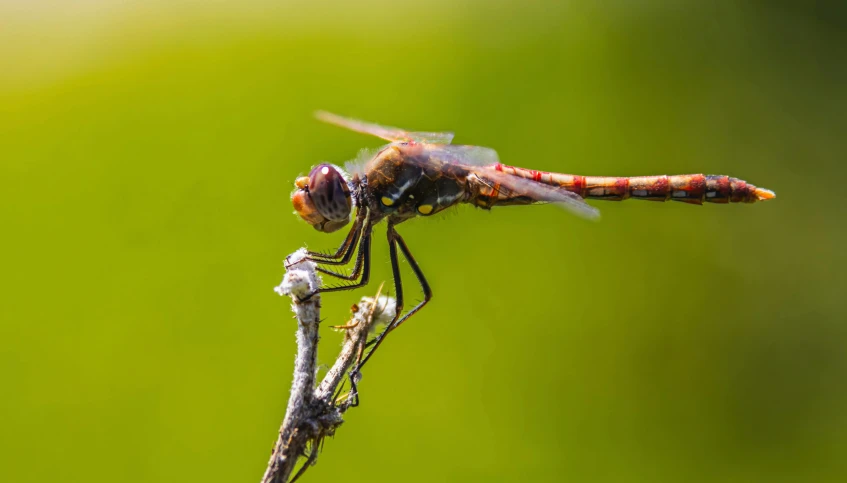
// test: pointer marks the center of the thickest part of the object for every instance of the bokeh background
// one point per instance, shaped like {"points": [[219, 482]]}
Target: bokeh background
{"points": [[148, 150]]}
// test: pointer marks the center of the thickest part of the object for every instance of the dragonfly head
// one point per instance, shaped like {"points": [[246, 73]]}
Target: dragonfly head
{"points": [[323, 198]]}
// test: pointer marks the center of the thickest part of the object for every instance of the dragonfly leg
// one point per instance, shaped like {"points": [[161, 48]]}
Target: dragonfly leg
{"points": [[357, 267], [363, 264], [355, 373], [395, 240], [345, 251], [427, 291]]}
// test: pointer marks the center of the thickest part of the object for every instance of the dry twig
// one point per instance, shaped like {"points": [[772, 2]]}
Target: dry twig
{"points": [[314, 413]]}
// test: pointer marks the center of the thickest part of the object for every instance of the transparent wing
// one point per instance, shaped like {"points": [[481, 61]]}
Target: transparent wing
{"points": [[540, 192], [483, 161], [465, 155], [357, 164], [388, 133]]}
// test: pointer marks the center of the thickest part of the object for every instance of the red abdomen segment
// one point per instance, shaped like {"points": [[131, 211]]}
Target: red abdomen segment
{"points": [[688, 188]]}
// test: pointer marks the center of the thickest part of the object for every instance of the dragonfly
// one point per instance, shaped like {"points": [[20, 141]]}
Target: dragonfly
{"points": [[420, 174]]}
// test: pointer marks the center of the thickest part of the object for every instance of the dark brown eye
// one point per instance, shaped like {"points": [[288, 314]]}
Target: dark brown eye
{"points": [[330, 193]]}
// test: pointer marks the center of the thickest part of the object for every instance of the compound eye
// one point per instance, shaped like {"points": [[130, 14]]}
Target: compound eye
{"points": [[330, 193]]}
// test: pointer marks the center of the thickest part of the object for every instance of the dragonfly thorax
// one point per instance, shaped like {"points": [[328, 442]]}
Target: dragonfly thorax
{"points": [[405, 181]]}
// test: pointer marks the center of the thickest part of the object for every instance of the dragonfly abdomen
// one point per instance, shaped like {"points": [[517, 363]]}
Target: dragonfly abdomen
{"points": [[688, 188]]}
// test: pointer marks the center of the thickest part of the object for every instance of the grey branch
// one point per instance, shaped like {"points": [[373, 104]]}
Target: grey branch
{"points": [[314, 413]]}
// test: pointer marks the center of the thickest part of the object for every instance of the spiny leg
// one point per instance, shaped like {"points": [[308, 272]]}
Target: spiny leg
{"points": [[364, 257], [363, 263], [427, 291], [394, 239], [357, 267], [345, 251], [355, 373]]}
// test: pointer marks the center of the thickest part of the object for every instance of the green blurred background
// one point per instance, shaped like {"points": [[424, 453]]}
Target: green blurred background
{"points": [[148, 152]]}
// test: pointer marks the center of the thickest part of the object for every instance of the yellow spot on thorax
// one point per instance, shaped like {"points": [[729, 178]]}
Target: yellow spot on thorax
{"points": [[425, 209], [387, 201]]}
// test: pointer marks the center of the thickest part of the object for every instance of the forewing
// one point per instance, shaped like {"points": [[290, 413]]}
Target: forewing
{"points": [[388, 133], [465, 155], [429, 137]]}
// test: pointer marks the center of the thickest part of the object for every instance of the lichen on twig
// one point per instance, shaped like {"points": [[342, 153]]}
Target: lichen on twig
{"points": [[314, 412]]}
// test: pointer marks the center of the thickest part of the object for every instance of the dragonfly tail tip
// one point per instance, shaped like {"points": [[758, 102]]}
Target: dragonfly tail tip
{"points": [[763, 194]]}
